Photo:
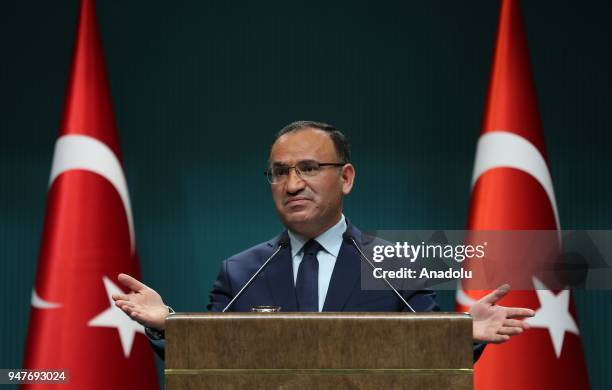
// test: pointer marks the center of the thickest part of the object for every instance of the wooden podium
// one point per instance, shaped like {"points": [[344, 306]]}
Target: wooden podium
{"points": [[319, 351]]}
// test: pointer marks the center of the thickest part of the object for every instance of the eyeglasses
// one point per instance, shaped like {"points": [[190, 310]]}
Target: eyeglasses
{"points": [[304, 169]]}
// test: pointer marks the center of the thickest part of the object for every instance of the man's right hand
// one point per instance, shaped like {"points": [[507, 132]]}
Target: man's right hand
{"points": [[142, 304]]}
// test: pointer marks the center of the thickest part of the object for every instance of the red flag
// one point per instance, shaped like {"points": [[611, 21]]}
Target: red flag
{"points": [[512, 190], [88, 239]]}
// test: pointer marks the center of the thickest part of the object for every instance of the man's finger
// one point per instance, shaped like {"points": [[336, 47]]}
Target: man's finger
{"points": [[136, 316], [519, 312], [510, 330], [123, 304], [499, 338], [120, 307], [126, 309], [496, 294], [130, 283], [139, 317], [516, 323], [120, 297]]}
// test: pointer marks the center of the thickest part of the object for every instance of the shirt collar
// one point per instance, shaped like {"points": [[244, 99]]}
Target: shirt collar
{"points": [[330, 240]]}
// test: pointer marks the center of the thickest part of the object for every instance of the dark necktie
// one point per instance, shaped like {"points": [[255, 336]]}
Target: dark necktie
{"points": [[307, 282]]}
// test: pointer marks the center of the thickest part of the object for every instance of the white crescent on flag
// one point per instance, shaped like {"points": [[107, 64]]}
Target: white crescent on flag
{"points": [[77, 151], [40, 303], [87, 153], [503, 149]]}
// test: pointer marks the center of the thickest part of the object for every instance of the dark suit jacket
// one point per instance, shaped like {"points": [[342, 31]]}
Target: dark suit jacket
{"points": [[275, 286]]}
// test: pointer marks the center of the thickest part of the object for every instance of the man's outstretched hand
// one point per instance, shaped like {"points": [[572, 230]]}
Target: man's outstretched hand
{"points": [[142, 303], [496, 324]]}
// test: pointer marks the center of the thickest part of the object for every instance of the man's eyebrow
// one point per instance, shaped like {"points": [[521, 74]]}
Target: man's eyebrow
{"points": [[278, 164], [282, 164]]}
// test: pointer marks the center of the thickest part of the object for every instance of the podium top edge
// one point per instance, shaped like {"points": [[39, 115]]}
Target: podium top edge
{"points": [[424, 316]]}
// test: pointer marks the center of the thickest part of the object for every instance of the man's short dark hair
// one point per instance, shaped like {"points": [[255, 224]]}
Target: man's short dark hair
{"points": [[340, 142]]}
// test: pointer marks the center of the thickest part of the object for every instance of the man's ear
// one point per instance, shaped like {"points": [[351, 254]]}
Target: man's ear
{"points": [[348, 178]]}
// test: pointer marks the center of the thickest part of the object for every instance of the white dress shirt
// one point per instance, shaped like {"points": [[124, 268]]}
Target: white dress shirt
{"points": [[330, 241]]}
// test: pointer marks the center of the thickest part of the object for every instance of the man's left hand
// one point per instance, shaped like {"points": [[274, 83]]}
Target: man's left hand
{"points": [[496, 324]]}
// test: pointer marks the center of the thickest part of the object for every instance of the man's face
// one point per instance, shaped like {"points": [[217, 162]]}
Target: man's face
{"points": [[312, 205]]}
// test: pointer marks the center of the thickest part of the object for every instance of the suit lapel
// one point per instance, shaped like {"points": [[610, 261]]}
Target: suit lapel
{"points": [[279, 276], [346, 274]]}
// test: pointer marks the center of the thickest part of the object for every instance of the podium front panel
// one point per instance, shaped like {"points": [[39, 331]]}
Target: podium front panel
{"points": [[319, 350]]}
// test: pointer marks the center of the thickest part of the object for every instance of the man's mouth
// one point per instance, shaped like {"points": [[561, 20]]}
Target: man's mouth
{"points": [[296, 199]]}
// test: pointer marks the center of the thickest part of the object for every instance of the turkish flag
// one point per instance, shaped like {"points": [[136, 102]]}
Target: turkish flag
{"points": [[88, 239], [512, 190]]}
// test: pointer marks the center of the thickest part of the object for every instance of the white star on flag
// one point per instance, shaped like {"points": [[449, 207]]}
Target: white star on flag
{"points": [[553, 314], [113, 317]]}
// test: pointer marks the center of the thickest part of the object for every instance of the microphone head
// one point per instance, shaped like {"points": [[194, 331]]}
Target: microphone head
{"points": [[283, 241], [346, 236]]}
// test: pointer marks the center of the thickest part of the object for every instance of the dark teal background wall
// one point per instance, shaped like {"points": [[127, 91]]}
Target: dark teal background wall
{"points": [[200, 87]]}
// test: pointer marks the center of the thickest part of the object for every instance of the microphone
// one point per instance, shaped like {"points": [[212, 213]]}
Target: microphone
{"points": [[351, 240], [282, 243]]}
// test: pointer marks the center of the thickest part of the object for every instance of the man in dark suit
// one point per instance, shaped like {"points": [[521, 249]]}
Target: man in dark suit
{"points": [[317, 268], [276, 285]]}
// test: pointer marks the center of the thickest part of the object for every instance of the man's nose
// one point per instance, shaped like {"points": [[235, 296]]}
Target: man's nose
{"points": [[294, 182]]}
